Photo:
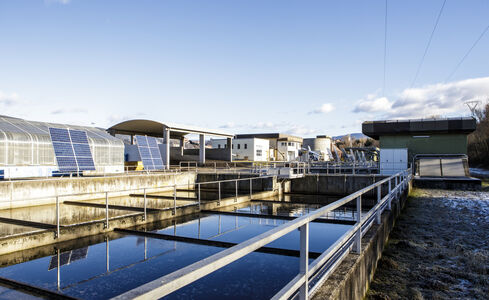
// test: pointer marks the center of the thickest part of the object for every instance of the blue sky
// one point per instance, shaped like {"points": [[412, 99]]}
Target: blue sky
{"points": [[300, 67]]}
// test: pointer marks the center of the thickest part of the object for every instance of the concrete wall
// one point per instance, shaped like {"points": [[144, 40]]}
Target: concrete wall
{"points": [[39, 192], [338, 185]]}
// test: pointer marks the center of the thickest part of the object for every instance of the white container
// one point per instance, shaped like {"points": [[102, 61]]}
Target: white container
{"points": [[393, 160]]}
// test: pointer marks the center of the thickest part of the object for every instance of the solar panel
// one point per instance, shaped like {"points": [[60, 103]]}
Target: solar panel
{"points": [[72, 150], [59, 135], [66, 258], [149, 152]]}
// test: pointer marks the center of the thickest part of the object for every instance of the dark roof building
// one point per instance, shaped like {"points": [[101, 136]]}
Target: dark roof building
{"points": [[422, 136]]}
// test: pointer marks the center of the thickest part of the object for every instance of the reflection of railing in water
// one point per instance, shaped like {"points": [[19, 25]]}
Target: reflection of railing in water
{"points": [[324, 265], [108, 271]]}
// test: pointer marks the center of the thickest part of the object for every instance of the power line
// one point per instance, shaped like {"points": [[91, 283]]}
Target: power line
{"points": [[385, 46], [467, 54], [429, 43]]}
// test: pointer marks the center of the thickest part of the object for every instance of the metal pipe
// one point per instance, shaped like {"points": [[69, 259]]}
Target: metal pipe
{"points": [[145, 205], [174, 199], [236, 187], [57, 217], [219, 192], [390, 196], [251, 188], [106, 209], [198, 188], [379, 211], [304, 261], [358, 235]]}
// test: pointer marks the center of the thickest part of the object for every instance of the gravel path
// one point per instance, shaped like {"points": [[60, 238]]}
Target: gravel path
{"points": [[439, 249]]}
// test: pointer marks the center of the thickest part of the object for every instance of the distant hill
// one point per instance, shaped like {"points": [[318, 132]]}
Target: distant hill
{"points": [[353, 135]]}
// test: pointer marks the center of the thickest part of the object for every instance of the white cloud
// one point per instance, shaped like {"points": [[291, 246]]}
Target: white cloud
{"points": [[69, 111], [373, 104], [324, 109], [64, 2], [8, 100], [443, 99], [301, 131], [268, 127], [228, 125], [116, 118]]}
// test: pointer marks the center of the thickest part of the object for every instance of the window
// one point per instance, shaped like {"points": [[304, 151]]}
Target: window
{"points": [[246, 146], [218, 146], [232, 146], [284, 144], [258, 152], [239, 146], [290, 144]]}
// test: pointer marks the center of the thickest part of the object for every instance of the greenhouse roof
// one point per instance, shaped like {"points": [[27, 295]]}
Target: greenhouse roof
{"points": [[11, 124]]}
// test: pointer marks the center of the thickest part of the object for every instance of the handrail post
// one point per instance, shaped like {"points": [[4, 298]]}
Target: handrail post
{"points": [[389, 198], [379, 196], [396, 183], [57, 217], [198, 188], [174, 199], [357, 248], [236, 187], [304, 261], [219, 192], [251, 188], [145, 204], [106, 209]]}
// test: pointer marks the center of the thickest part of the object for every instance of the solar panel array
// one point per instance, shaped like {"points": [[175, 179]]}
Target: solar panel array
{"points": [[66, 258], [72, 150], [149, 152]]}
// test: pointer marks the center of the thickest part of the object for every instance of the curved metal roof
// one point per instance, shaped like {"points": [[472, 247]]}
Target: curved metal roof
{"points": [[12, 124], [155, 128]]}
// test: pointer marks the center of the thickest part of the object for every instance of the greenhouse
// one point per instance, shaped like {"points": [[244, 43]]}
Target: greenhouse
{"points": [[26, 148]]}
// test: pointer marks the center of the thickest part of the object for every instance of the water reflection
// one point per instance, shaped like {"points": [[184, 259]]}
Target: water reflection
{"points": [[110, 265]]}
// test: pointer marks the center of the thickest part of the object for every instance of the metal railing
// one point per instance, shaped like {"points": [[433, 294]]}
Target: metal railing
{"points": [[282, 169], [308, 272], [334, 167], [172, 188]]}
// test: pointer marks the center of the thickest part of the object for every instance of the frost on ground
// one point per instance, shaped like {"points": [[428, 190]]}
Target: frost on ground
{"points": [[438, 249]]}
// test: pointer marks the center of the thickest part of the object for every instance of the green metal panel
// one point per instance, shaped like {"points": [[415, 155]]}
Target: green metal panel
{"points": [[432, 144]]}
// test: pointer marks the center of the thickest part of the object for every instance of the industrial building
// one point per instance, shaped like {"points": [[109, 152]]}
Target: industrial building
{"points": [[283, 147], [250, 149], [434, 147], [321, 144], [26, 148]]}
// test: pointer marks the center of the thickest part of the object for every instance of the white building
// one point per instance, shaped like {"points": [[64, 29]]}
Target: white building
{"points": [[283, 147], [288, 150], [251, 149]]}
